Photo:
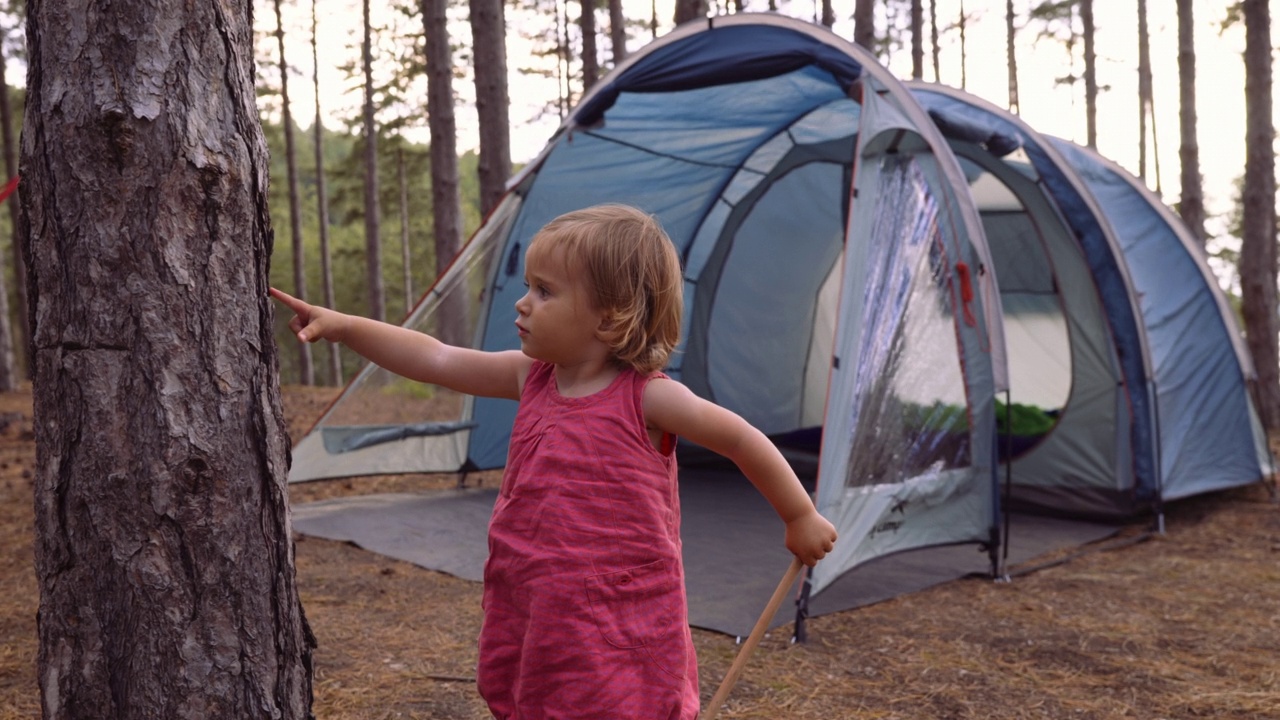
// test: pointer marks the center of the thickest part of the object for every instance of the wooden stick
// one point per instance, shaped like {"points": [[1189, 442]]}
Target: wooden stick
{"points": [[757, 633]]}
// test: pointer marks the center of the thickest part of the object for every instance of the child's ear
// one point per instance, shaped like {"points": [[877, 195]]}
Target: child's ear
{"points": [[608, 321]]}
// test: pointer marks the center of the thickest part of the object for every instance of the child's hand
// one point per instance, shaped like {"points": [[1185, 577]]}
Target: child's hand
{"points": [[810, 537], [311, 323]]}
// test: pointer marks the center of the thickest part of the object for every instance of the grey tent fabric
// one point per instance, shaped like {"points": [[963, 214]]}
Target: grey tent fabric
{"points": [[733, 554]]}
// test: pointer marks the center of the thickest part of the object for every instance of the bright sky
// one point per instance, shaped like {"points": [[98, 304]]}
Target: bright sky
{"points": [[1051, 109]]}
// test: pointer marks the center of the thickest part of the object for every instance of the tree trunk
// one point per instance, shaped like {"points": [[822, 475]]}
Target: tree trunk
{"points": [[935, 50], [446, 202], [917, 40], [1010, 49], [1090, 74], [14, 345], [1258, 244], [590, 60], [163, 551], [964, 48], [828, 13], [8, 367], [864, 24], [372, 208], [618, 31], [1191, 204], [19, 332], [489, 48], [406, 268], [1144, 86], [687, 10], [306, 373], [322, 200]]}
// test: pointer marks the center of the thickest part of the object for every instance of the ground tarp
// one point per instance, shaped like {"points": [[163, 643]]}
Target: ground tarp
{"points": [[733, 551]]}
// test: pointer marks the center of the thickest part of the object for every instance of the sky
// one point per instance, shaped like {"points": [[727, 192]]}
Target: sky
{"points": [[1047, 106]]}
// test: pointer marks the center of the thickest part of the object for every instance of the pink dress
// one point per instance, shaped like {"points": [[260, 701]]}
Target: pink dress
{"points": [[584, 604]]}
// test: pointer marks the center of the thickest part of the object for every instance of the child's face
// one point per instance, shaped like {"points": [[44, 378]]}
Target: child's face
{"points": [[556, 320]]}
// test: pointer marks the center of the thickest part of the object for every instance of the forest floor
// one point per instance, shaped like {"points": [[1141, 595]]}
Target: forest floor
{"points": [[1183, 625]]}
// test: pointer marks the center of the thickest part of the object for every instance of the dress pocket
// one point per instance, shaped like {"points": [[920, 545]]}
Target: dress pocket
{"points": [[637, 606]]}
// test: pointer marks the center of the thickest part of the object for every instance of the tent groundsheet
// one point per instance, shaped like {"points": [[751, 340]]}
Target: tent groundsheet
{"points": [[733, 548]]}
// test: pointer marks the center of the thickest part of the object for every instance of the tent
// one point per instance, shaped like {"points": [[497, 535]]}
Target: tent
{"points": [[876, 275]]}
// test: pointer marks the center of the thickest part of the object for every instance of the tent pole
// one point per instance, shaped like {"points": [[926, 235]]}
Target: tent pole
{"points": [[1008, 474], [802, 607]]}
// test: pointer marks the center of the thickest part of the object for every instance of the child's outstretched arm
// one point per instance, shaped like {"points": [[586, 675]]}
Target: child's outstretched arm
{"points": [[411, 354], [673, 408]]}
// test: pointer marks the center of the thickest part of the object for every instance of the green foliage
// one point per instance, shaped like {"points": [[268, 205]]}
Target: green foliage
{"points": [[344, 180], [1025, 420]]}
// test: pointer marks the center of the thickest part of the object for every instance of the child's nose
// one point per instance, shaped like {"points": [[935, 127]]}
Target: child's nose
{"points": [[522, 305]]}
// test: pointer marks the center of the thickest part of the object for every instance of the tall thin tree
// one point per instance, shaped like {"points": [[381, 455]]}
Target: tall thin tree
{"points": [[9, 375], [1144, 86], [590, 59], [306, 373], [936, 50], [1011, 52], [405, 266], [687, 10], [864, 24], [1088, 30], [1191, 202], [917, 40], [322, 199], [1258, 244], [618, 31], [489, 50], [15, 349], [446, 203], [163, 551], [372, 206]]}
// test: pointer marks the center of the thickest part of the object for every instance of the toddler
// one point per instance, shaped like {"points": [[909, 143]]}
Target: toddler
{"points": [[584, 604]]}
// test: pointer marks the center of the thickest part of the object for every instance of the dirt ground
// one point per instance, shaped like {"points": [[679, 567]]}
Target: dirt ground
{"points": [[1183, 625]]}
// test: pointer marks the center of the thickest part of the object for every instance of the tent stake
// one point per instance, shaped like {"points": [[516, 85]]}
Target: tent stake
{"points": [[753, 639]]}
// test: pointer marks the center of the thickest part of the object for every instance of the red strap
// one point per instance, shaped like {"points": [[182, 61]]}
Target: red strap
{"points": [[966, 293], [9, 188]]}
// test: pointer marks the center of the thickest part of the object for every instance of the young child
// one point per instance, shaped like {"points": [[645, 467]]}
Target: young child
{"points": [[584, 603]]}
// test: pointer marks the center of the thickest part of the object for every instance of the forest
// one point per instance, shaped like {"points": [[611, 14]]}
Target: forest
{"points": [[166, 165]]}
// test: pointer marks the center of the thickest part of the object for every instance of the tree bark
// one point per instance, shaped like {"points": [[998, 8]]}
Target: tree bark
{"points": [[1191, 204], [322, 200], [1258, 244], [163, 551], [864, 24], [372, 206], [306, 371], [489, 48], [446, 201]]}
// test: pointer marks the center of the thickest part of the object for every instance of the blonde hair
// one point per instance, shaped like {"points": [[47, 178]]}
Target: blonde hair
{"points": [[631, 272]]}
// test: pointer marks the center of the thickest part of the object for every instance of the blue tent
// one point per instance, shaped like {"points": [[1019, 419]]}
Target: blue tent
{"points": [[877, 276]]}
